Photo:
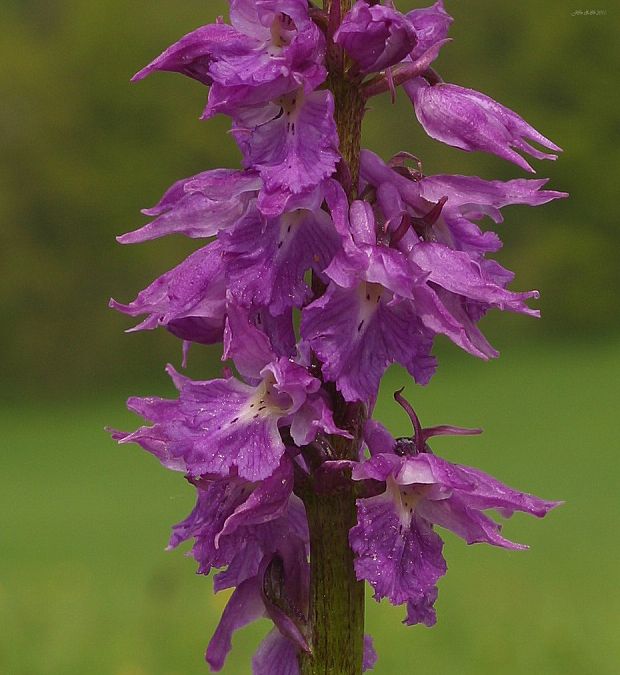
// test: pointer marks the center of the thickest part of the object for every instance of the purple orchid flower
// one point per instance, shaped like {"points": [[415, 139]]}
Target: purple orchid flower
{"points": [[467, 200], [389, 296], [367, 319], [219, 425], [436, 218], [279, 592], [472, 121], [398, 552], [430, 26], [271, 47], [260, 532], [235, 522], [376, 36], [263, 72]]}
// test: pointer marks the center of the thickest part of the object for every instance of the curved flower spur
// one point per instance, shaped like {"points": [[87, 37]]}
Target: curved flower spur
{"points": [[320, 265]]}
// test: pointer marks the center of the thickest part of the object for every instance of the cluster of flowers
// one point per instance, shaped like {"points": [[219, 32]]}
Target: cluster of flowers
{"points": [[391, 269]]}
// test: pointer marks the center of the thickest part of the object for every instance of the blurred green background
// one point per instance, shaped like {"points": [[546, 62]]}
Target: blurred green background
{"points": [[85, 586]]}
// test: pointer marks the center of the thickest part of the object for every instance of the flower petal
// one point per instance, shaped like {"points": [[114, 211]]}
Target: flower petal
{"points": [[431, 26], [375, 37], [298, 148], [266, 262], [212, 428], [194, 53], [356, 335], [276, 655], [400, 561], [189, 300], [244, 607], [199, 206]]}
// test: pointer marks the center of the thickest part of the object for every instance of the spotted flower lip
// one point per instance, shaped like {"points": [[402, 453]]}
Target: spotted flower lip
{"points": [[269, 271], [218, 425], [293, 142], [366, 320], [458, 493], [376, 36], [472, 121]]}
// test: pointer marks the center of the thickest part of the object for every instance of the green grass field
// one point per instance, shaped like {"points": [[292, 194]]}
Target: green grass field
{"points": [[87, 589]]}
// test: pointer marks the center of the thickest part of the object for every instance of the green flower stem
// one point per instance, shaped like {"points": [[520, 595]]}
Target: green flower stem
{"points": [[336, 598], [336, 614]]}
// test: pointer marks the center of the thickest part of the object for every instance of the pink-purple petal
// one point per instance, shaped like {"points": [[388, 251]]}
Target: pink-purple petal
{"points": [[189, 300], [370, 655], [211, 428], [244, 607], [194, 53], [276, 655], [268, 501], [270, 272], [431, 26], [199, 206], [376, 37], [398, 560], [298, 147]]}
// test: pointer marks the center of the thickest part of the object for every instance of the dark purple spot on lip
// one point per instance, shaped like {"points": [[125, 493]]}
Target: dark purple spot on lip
{"points": [[367, 296], [361, 323], [236, 419]]}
